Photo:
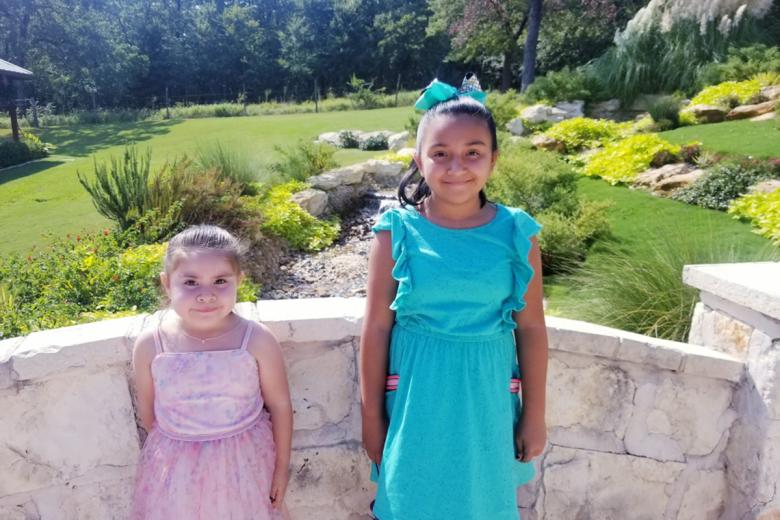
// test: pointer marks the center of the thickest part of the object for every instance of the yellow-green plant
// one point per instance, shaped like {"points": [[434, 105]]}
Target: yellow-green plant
{"points": [[762, 210], [728, 94], [395, 157], [583, 132], [623, 160], [767, 79]]}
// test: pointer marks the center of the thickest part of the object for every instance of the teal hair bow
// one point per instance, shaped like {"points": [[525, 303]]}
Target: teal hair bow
{"points": [[438, 91]]}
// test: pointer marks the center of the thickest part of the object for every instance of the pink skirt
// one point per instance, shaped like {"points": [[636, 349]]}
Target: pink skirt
{"points": [[223, 478]]}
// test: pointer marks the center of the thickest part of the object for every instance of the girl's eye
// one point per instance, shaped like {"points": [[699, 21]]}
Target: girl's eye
{"points": [[220, 281], [190, 283], [473, 153], [439, 154]]}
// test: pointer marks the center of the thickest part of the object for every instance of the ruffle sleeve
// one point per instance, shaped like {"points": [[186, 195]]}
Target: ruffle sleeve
{"points": [[392, 221], [525, 227]]}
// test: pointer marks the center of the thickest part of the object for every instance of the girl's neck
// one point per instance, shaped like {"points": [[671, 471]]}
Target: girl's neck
{"points": [[223, 327], [466, 214]]}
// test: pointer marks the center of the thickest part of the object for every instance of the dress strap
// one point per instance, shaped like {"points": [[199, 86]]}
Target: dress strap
{"points": [[158, 345], [247, 334]]}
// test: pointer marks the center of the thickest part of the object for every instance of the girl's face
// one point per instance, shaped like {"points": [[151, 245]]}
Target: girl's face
{"points": [[202, 288], [456, 157]]}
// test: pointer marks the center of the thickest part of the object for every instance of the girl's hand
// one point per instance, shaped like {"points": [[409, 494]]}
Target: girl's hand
{"points": [[374, 433], [279, 486], [530, 438]]}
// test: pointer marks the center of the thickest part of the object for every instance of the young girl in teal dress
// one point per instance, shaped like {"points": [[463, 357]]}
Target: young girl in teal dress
{"points": [[454, 302]]}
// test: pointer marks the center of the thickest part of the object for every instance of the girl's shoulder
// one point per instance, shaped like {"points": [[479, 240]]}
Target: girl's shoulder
{"points": [[524, 223], [393, 216], [144, 348], [261, 339]]}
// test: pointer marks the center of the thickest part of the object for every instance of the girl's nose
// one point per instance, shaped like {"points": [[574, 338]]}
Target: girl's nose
{"points": [[455, 165], [207, 297]]}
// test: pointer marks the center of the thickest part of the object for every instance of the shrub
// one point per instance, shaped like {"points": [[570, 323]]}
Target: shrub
{"points": [[303, 160], [230, 162], [374, 142], [28, 148], [762, 210], [646, 294], [582, 132], [723, 183], [412, 123], [503, 106], [348, 139], [742, 63], [728, 94], [623, 160], [284, 218], [363, 96], [563, 85], [665, 112]]}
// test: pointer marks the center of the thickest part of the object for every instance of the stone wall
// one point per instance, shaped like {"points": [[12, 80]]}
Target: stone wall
{"points": [[639, 428]]}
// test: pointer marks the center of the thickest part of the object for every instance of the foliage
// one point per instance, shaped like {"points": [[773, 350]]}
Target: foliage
{"points": [[120, 192], [742, 63], [374, 142], [621, 161], [546, 187], [724, 182], [645, 294], [564, 85], [395, 157], [762, 210], [362, 95], [412, 123], [231, 163], [28, 148], [581, 132], [348, 139], [284, 218], [503, 106], [301, 161], [665, 112], [728, 94]]}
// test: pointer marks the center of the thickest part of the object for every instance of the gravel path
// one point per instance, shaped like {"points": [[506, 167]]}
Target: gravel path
{"points": [[339, 270]]}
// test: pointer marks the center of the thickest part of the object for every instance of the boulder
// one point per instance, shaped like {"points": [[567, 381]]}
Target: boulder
{"points": [[767, 186], [331, 138], [397, 141], [542, 114], [339, 177], [764, 117], [669, 177], [771, 92], [604, 109], [746, 111], [707, 113], [406, 152], [515, 126], [543, 142], [312, 200], [572, 108], [386, 174]]}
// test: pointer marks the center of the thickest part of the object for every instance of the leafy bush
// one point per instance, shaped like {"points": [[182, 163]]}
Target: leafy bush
{"points": [[303, 160], [503, 106], [363, 96], [665, 112], [646, 294], [723, 183], [762, 210], [230, 162], [546, 187], [395, 157], [742, 63], [767, 79], [623, 160], [582, 132], [563, 85], [284, 218], [348, 139], [28, 148], [374, 142], [728, 94], [412, 123]]}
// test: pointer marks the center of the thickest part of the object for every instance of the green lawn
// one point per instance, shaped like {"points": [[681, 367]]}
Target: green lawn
{"points": [[759, 139], [46, 197]]}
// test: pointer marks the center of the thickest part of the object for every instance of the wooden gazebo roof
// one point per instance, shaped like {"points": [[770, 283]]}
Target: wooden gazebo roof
{"points": [[11, 71]]}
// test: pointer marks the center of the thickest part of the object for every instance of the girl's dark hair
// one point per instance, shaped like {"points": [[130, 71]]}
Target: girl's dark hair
{"points": [[459, 106], [204, 238]]}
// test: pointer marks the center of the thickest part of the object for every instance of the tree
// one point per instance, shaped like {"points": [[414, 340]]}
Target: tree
{"points": [[529, 52]]}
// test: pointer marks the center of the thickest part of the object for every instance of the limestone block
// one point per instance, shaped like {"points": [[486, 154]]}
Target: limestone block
{"points": [[397, 141], [703, 361], [597, 407], [704, 496], [385, 173], [331, 138], [580, 337], [572, 108], [515, 126], [764, 367], [725, 334], [65, 427], [313, 319], [322, 384], [669, 177], [542, 114], [766, 186], [679, 417], [746, 111], [544, 142], [330, 483], [769, 116], [582, 484], [313, 201], [338, 177], [707, 113], [644, 350]]}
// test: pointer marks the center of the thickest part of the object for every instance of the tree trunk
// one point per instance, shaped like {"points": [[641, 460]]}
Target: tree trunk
{"points": [[529, 52], [506, 72]]}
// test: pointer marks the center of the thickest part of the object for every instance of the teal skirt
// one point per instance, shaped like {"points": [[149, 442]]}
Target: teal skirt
{"points": [[449, 451]]}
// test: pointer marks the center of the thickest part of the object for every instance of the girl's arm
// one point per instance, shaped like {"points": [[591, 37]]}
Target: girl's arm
{"points": [[276, 394], [143, 354], [374, 342], [531, 343]]}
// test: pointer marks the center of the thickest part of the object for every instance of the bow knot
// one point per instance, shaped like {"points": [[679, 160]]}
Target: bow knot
{"points": [[438, 92]]}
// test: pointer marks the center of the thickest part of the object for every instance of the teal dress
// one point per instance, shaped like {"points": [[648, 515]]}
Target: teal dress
{"points": [[449, 452]]}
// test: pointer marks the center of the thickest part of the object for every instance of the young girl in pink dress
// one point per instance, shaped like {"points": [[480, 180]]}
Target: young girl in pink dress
{"points": [[212, 393]]}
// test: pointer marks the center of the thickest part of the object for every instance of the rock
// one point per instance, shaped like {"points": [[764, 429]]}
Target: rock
{"points": [[604, 109], [662, 158], [397, 141], [338, 177], [707, 113], [669, 177], [542, 114], [746, 111], [547, 143], [406, 152], [343, 199], [766, 186], [386, 174], [771, 92], [571, 108], [331, 138], [515, 126], [313, 201], [764, 117]]}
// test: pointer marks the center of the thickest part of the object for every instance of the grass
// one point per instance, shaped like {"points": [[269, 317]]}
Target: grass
{"points": [[45, 196], [642, 223], [756, 138]]}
